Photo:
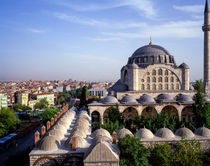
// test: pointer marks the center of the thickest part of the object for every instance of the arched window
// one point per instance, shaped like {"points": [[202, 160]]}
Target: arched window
{"points": [[166, 79], [160, 79], [160, 87], [172, 79], [148, 79], [172, 86], [148, 73], [142, 87], [153, 87], [177, 86], [153, 79], [166, 72], [148, 86], [166, 86], [160, 72], [153, 72]]}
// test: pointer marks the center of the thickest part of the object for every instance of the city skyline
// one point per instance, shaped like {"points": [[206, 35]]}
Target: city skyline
{"points": [[61, 39]]}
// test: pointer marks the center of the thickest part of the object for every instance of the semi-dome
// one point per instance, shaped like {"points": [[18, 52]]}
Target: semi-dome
{"points": [[123, 132], [151, 50], [185, 99], [147, 99], [184, 66], [203, 131], [109, 100], [184, 133], [164, 133], [133, 66], [165, 98], [128, 100], [144, 133], [49, 143]]}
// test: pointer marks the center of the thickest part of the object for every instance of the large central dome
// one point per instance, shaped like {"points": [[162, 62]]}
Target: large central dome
{"points": [[151, 50], [150, 54]]}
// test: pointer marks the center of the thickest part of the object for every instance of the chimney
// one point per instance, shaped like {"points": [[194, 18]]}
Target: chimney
{"points": [[114, 137], [52, 122], [43, 131], [37, 139], [48, 125], [55, 118], [74, 143]]}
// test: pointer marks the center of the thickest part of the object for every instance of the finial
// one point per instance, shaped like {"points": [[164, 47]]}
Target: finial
{"points": [[150, 43], [206, 7]]}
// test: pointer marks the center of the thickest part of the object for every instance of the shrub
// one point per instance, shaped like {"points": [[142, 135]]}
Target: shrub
{"points": [[49, 113]]}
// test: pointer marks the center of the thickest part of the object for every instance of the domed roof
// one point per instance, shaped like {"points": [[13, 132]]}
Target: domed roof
{"points": [[128, 99], [147, 99], [64, 123], [101, 138], [110, 100], [164, 133], [203, 131], [184, 66], [49, 143], [123, 132], [101, 132], [184, 99], [60, 127], [80, 142], [79, 133], [165, 98], [57, 133], [133, 66], [151, 50], [144, 134], [184, 133]]}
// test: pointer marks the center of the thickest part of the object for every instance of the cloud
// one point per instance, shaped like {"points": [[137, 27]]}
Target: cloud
{"points": [[103, 39], [97, 23], [190, 8], [33, 30], [178, 29], [144, 7]]}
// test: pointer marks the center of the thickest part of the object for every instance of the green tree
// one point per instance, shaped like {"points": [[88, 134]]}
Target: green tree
{"points": [[44, 101], [64, 97], [49, 113], [115, 115], [8, 122], [132, 152], [84, 95], [161, 155], [201, 107], [61, 100], [40, 105]]}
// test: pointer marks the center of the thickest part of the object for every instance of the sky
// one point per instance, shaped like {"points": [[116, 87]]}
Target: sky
{"points": [[92, 39]]}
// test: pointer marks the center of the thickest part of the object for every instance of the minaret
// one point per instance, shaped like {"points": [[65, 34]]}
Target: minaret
{"points": [[206, 30]]}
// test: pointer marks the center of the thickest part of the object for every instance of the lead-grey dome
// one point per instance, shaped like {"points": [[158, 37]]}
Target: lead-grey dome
{"points": [[184, 99], [128, 100], [165, 98], [109, 100], [184, 133], [164, 133], [151, 50], [144, 133], [147, 99], [123, 132], [203, 131]]}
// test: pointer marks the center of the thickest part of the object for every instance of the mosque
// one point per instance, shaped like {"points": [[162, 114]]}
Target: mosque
{"points": [[150, 83]]}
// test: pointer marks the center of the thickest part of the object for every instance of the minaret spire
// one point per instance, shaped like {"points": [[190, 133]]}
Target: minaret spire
{"points": [[206, 7], [206, 30]]}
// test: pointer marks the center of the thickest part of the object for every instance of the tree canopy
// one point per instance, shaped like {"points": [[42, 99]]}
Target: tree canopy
{"points": [[49, 113]]}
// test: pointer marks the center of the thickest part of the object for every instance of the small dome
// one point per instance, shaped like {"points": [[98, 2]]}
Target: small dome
{"points": [[82, 129], [144, 134], [100, 138], [184, 133], [49, 143], [123, 132], [60, 127], [101, 132], [203, 131], [109, 100], [133, 66], [165, 98], [57, 133], [79, 133], [164, 133], [184, 66], [146, 99], [118, 87], [64, 123], [184, 99], [128, 100], [81, 143]]}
